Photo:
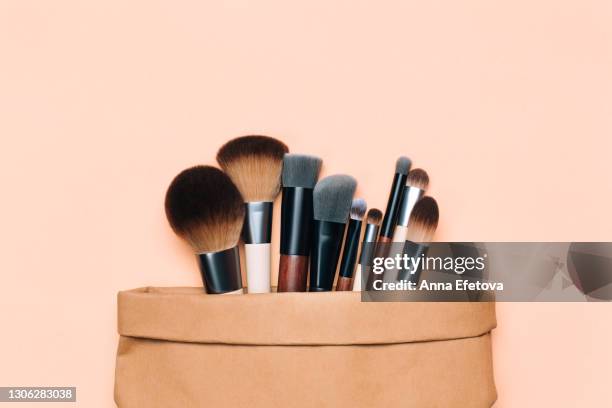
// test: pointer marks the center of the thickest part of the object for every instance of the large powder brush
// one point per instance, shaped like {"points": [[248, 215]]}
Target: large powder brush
{"points": [[204, 207], [254, 163]]}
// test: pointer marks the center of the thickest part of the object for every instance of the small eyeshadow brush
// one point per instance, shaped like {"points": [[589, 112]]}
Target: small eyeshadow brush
{"points": [[402, 167], [351, 245], [368, 246]]}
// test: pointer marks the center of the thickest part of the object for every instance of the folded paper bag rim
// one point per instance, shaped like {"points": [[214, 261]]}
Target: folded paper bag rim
{"points": [[183, 314]]}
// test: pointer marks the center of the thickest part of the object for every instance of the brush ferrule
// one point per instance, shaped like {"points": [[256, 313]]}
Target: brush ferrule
{"points": [[221, 270], [395, 196], [409, 199], [351, 247], [326, 245], [369, 244], [296, 221], [257, 228], [414, 250]]}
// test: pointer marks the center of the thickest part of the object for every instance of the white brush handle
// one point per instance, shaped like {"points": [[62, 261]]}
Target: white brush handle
{"points": [[258, 267], [357, 279], [400, 234]]}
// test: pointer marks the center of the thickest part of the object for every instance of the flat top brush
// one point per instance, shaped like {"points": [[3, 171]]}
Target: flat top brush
{"points": [[300, 174], [368, 246], [332, 203], [254, 164], [351, 245], [421, 229], [402, 167], [416, 185], [206, 209]]}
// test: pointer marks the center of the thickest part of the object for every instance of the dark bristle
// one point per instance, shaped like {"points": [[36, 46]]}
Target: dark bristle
{"points": [[251, 145], [423, 220], [254, 163], [402, 166], [205, 208], [374, 216], [300, 170], [332, 198], [418, 178], [358, 208]]}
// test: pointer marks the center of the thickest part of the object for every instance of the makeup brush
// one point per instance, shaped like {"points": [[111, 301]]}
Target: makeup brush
{"points": [[300, 174], [332, 198], [422, 226], [254, 164], [206, 209], [368, 246], [351, 245], [402, 166], [416, 185]]}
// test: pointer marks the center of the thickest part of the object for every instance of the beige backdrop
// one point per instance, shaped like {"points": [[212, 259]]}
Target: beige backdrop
{"points": [[506, 104]]}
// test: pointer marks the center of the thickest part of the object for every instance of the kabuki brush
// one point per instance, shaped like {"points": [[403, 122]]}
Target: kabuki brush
{"points": [[368, 246], [332, 203], [206, 209], [402, 167], [422, 226], [351, 245], [254, 164], [416, 185], [300, 174]]}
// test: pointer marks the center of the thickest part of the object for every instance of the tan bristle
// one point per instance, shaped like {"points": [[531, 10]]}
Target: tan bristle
{"points": [[205, 208], [418, 178], [254, 163], [423, 220]]}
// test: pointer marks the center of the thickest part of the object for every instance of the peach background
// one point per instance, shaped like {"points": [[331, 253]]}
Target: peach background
{"points": [[508, 105]]}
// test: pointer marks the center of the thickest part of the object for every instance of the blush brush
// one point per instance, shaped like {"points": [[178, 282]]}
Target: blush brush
{"points": [[254, 163], [300, 174], [206, 209], [332, 198]]}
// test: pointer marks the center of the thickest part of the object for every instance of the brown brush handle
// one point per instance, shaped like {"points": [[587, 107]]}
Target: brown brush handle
{"points": [[292, 273], [344, 283]]}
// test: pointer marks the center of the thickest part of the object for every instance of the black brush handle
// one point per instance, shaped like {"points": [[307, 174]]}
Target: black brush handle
{"points": [[413, 250], [351, 247], [326, 245], [221, 271], [296, 221], [395, 197]]}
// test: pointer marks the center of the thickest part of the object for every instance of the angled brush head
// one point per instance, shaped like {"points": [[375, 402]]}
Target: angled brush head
{"points": [[402, 165], [254, 164], [300, 170], [374, 216], [358, 209], [205, 208], [423, 220], [332, 198], [418, 178]]}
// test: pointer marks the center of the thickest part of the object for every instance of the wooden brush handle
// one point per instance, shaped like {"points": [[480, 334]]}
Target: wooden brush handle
{"points": [[357, 279], [344, 284], [292, 273]]}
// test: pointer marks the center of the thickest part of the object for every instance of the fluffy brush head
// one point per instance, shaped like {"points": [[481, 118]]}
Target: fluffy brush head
{"points": [[402, 165], [358, 209], [205, 208], [423, 220], [374, 216], [332, 198], [254, 164], [300, 170], [418, 178]]}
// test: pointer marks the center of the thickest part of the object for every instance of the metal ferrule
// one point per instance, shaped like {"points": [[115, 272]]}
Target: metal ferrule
{"points": [[326, 245], [351, 247], [413, 250], [296, 221], [221, 270], [257, 228], [409, 199], [395, 196], [369, 244]]}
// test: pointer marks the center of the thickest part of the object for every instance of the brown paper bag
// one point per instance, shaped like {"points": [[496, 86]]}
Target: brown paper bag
{"points": [[182, 348]]}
